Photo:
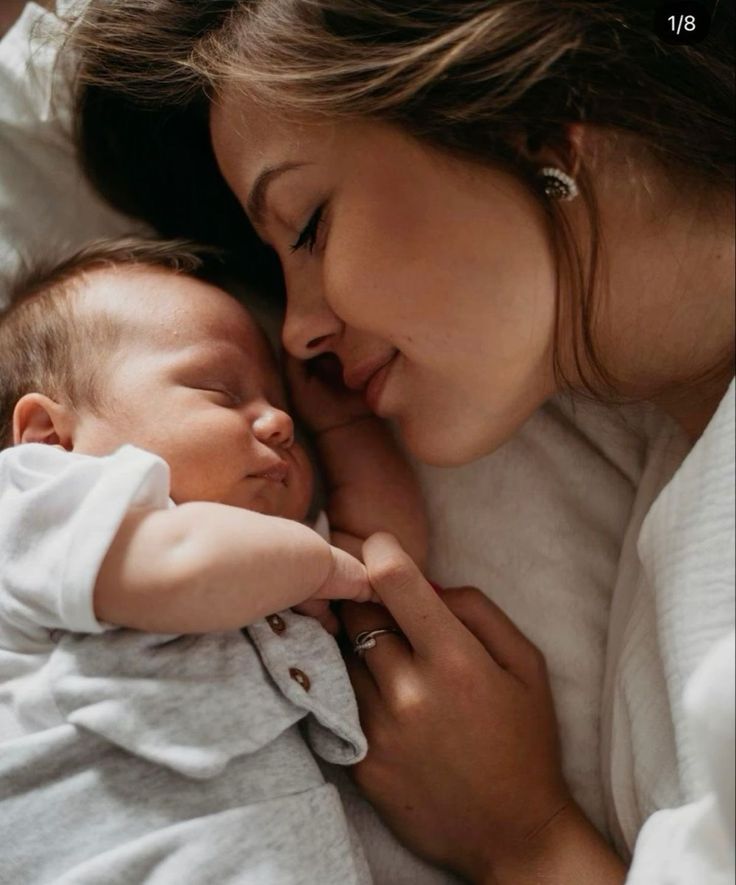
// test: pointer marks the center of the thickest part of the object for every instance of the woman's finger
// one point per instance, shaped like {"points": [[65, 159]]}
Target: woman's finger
{"points": [[357, 616], [503, 640], [410, 598], [391, 652], [366, 691]]}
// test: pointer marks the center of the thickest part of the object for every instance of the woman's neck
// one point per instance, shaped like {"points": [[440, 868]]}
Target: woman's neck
{"points": [[670, 309], [694, 408]]}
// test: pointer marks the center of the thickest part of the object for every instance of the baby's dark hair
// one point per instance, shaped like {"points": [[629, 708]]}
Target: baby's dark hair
{"points": [[49, 345]]}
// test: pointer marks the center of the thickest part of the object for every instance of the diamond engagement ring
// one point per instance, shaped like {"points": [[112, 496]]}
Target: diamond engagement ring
{"points": [[367, 639]]}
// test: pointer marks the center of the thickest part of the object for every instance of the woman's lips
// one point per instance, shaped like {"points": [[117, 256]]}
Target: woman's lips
{"points": [[376, 383], [358, 376]]}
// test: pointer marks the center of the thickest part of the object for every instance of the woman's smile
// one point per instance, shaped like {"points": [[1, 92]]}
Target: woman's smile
{"points": [[376, 385], [369, 377]]}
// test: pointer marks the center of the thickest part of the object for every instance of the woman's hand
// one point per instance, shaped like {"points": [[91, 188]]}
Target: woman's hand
{"points": [[463, 759]]}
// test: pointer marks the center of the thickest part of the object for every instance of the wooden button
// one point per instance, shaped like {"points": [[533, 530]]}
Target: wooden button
{"points": [[276, 623], [300, 677]]}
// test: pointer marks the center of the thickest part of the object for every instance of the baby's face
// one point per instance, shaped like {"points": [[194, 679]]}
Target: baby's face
{"points": [[194, 381]]}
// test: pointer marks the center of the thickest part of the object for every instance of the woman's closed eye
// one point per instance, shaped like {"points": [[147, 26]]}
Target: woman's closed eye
{"points": [[308, 235]]}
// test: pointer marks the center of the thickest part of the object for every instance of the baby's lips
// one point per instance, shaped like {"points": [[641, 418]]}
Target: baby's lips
{"points": [[436, 587]]}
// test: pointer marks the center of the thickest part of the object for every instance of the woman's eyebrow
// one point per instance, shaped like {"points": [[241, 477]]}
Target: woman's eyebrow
{"points": [[256, 201]]}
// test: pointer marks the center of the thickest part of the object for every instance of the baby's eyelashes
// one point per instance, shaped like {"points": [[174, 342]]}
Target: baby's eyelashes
{"points": [[229, 398]]}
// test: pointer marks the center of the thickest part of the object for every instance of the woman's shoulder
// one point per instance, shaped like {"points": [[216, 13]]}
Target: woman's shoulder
{"points": [[687, 551]]}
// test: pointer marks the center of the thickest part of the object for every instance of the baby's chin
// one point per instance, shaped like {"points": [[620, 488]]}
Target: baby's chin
{"points": [[286, 506], [285, 502]]}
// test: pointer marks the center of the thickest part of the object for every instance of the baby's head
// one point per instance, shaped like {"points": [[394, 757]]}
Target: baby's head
{"points": [[123, 344]]}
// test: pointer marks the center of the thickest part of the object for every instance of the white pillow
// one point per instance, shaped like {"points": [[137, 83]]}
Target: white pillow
{"points": [[46, 205]]}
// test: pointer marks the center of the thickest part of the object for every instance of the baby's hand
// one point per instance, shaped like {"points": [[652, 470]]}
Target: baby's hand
{"points": [[320, 610], [319, 395], [348, 579]]}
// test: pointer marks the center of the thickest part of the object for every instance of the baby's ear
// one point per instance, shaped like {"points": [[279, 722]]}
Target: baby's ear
{"points": [[38, 419]]}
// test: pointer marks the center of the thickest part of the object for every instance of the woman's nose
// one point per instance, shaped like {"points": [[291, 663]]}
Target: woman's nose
{"points": [[274, 427], [310, 327]]}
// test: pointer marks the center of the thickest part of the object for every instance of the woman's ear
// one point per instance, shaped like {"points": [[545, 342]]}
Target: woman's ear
{"points": [[37, 418], [564, 151], [575, 139]]}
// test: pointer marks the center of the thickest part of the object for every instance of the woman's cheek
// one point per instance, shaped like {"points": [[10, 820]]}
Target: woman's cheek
{"points": [[349, 278], [367, 269]]}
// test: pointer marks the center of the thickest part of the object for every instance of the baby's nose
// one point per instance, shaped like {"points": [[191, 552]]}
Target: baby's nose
{"points": [[274, 427]]}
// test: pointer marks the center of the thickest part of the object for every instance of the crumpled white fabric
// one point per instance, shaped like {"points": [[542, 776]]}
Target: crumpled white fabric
{"points": [[686, 547], [694, 844]]}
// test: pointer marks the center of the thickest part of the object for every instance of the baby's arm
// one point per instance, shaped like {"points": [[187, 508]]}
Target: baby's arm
{"points": [[370, 485], [204, 567]]}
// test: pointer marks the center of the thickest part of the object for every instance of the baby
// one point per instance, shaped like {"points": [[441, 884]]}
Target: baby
{"points": [[158, 699]]}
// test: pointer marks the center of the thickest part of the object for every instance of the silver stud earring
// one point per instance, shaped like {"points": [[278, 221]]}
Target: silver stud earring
{"points": [[558, 185]]}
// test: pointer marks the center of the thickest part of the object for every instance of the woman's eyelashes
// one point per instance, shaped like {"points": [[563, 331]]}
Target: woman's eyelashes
{"points": [[308, 235]]}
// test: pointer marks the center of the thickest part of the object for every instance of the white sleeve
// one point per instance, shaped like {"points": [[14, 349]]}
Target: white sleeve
{"points": [[59, 512], [694, 844]]}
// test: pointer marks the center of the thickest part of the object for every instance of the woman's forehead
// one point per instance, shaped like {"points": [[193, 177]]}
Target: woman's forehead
{"points": [[248, 138], [246, 135]]}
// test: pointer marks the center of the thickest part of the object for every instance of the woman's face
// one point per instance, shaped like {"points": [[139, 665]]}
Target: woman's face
{"points": [[431, 278]]}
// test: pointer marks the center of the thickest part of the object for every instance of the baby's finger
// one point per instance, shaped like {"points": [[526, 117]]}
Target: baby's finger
{"points": [[348, 579]]}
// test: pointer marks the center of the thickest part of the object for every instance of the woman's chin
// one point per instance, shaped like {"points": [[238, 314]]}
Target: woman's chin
{"points": [[440, 445], [430, 446]]}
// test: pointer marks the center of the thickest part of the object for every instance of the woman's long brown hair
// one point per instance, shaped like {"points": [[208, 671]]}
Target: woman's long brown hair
{"points": [[479, 78]]}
